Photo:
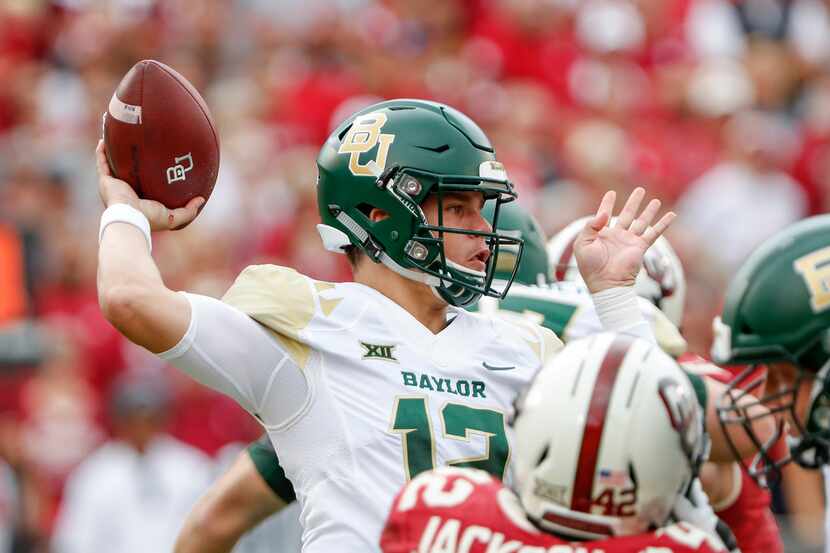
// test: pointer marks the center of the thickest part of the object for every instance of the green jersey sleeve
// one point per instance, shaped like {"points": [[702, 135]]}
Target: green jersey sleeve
{"points": [[547, 307], [267, 464], [550, 314]]}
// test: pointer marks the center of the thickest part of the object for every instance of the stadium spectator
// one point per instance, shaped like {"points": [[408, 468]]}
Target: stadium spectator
{"points": [[132, 494]]}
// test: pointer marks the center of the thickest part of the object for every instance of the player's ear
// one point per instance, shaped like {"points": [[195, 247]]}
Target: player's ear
{"points": [[377, 215]]}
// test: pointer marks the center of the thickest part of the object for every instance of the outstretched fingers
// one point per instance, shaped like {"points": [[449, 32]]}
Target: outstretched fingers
{"points": [[642, 222], [604, 211], [628, 219], [654, 232], [631, 207]]}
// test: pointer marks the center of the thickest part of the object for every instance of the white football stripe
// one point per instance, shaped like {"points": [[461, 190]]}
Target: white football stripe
{"points": [[126, 113]]}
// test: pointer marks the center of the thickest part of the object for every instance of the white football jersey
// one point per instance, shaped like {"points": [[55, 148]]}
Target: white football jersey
{"points": [[356, 395], [567, 308]]}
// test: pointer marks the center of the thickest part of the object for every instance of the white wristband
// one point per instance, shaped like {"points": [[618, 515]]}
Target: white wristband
{"points": [[123, 213], [618, 310]]}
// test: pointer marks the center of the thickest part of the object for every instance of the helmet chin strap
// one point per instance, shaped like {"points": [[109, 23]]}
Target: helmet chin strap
{"points": [[433, 282], [335, 240], [411, 274], [472, 272], [436, 284]]}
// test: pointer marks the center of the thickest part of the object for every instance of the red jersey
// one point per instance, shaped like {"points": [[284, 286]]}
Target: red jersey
{"points": [[453, 510], [747, 509], [747, 513]]}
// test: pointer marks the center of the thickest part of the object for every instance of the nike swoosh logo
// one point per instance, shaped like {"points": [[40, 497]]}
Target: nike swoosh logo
{"points": [[493, 368]]}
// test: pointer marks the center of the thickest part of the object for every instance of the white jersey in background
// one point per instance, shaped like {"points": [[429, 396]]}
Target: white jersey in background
{"points": [[121, 500], [356, 394], [567, 309]]}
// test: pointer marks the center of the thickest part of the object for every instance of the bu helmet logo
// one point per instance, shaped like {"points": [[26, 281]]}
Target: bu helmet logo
{"points": [[815, 268], [362, 137], [178, 171]]}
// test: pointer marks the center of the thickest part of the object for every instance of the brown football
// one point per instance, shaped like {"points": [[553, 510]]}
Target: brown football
{"points": [[160, 137]]}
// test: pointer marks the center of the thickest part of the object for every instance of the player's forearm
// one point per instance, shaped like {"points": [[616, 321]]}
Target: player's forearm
{"points": [[618, 311], [234, 505], [721, 481], [209, 529], [124, 261], [805, 503], [204, 539], [131, 293]]}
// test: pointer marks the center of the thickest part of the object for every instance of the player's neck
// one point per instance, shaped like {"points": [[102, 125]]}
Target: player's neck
{"points": [[417, 298]]}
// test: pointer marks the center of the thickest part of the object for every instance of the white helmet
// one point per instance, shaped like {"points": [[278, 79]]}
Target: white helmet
{"points": [[608, 435], [661, 281]]}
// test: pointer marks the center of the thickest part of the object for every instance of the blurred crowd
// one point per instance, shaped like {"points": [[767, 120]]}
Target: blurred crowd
{"points": [[720, 108]]}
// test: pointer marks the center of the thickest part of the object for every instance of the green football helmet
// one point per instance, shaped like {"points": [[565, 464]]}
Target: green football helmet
{"points": [[392, 156], [515, 221], [778, 309]]}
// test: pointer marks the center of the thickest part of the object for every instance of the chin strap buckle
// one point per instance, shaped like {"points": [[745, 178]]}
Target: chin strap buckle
{"points": [[372, 249]]}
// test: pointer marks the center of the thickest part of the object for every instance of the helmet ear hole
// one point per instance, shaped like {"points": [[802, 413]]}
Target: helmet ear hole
{"points": [[365, 209]]}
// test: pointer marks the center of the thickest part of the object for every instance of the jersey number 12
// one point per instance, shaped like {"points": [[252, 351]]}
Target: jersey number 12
{"points": [[411, 419]]}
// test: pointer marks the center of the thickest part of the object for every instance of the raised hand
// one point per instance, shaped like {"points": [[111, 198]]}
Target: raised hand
{"points": [[610, 256], [115, 191]]}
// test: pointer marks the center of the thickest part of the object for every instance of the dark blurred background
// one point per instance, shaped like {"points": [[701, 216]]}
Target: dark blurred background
{"points": [[720, 108]]}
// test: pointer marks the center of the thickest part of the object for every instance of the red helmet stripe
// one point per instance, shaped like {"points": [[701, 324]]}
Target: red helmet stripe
{"points": [[564, 260], [595, 422]]}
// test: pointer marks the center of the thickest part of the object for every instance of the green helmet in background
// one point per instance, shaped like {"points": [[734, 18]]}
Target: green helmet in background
{"points": [[778, 309], [391, 156], [517, 222]]}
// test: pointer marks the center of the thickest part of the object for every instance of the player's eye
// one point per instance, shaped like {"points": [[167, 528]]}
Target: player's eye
{"points": [[456, 209]]}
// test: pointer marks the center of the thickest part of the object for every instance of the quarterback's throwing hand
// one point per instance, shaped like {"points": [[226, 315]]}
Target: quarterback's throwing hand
{"points": [[115, 191], [611, 255]]}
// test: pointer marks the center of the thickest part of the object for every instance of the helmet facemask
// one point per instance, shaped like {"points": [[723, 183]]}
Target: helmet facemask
{"points": [[809, 449], [423, 247]]}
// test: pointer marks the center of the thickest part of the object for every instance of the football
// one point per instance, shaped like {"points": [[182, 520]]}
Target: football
{"points": [[160, 136]]}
